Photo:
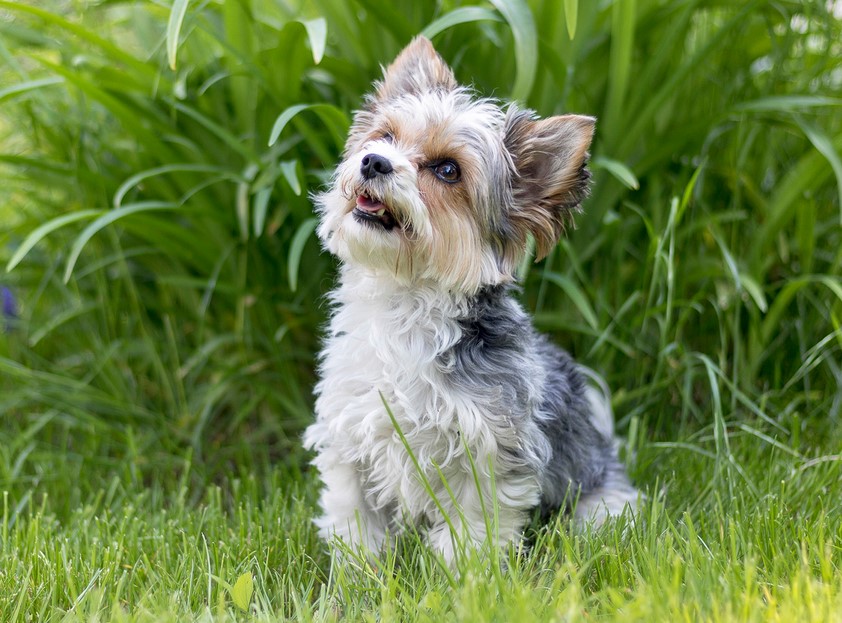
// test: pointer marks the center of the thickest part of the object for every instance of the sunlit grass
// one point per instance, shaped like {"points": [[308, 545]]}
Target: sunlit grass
{"points": [[161, 554]]}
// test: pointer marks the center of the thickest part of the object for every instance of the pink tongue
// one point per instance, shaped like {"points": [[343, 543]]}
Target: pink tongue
{"points": [[368, 205]]}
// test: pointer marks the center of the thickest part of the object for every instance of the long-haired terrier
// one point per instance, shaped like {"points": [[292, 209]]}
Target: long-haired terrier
{"points": [[438, 403]]}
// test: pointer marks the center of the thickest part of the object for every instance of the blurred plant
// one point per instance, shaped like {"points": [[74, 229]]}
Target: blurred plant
{"points": [[158, 158]]}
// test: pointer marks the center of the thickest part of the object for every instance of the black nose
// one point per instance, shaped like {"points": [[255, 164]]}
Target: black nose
{"points": [[373, 165]]}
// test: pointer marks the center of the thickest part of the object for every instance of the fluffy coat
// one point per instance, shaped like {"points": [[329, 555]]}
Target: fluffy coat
{"points": [[429, 364]]}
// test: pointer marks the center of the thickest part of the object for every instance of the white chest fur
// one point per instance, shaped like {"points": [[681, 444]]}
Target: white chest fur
{"points": [[387, 346], [471, 427], [397, 346]]}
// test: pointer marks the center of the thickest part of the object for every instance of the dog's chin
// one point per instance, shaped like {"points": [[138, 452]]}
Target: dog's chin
{"points": [[367, 239]]}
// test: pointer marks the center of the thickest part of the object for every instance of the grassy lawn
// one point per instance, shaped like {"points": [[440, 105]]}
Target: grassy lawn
{"points": [[751, 537], [157, 239]]}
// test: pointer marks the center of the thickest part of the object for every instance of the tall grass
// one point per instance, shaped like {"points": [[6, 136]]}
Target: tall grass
{"points": [[158, 161], [157, 234]]}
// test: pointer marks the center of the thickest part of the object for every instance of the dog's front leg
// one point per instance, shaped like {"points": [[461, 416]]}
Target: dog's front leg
{"points": [[346, 514], [467, 525]]}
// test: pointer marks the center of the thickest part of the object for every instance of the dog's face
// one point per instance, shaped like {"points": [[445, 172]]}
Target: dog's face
{"points": [[438, 186]]}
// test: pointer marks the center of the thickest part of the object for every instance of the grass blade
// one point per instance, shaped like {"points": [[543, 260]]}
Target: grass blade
{"points": [[217, 129], [616, 168], [772, 320], [334, 118], [787, 103], [296, 248], [44, 230], [289, 169], [106, 219], [462, 15], [29, 85], [825, 147], [59, 319], [576, 295], [317, 34], [114, 52], [177, 13], [261, 206], [571, 11], [137, 178], [622, 42], [519, 17], [807, 173]]}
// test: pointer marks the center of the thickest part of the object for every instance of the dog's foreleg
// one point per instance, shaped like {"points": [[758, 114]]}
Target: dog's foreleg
{"points": [[345, 513]]}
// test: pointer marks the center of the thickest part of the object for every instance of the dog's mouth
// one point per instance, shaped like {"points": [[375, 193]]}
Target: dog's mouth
{"points": [[371, 211]]}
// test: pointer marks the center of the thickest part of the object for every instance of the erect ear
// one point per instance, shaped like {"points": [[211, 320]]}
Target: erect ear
{"points": [[551, 180], [417, 69]]}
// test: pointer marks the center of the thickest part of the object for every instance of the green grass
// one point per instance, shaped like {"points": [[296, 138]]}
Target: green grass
{"points": [[768, 552], [155, 161]]}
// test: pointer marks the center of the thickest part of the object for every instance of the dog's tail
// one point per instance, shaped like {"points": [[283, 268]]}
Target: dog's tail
{"points": [[599, 397]]}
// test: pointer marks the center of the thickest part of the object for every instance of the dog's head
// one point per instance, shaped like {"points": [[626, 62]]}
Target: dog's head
{"points": [[439, 186]]}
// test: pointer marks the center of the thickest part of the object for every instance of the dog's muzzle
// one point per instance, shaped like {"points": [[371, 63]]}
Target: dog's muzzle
{"points": [[371, 211]]}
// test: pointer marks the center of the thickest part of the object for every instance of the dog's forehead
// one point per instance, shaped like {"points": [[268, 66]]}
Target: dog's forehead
{"points": [[436, 117]]}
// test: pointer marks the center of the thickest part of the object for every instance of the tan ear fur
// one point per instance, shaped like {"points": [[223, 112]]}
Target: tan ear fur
{"points": [[417, 69], [551, 180]]}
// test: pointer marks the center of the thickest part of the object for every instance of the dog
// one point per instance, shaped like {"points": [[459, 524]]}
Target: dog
{"points": [[438, 405]]}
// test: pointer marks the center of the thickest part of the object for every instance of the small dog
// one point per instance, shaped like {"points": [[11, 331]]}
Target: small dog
{"points": [[433, 380]]}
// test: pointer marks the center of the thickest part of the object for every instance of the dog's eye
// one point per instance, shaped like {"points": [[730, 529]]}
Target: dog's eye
{"points": [[447, 171], [387, 136]]}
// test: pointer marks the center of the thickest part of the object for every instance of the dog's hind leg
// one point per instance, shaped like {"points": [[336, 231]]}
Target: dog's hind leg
{"points": [[614, 496]]}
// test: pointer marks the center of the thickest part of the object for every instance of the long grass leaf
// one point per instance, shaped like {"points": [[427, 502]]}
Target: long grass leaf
{"points": [[59, 319], [26, 87], [289, 169], [616, 168], [622, 40], [666, 89], [787, 103], [754, 290], [260, 207], [106, 219], [317, 34], [688, 192], [242, 200], [519, 17], [576, 296], [296, 248], [137, 178], [218, 130], [334, 118], [462, 15], [44, 230], [177, 13], [425, 481], [390, 16], [571, 16], [144, 125], [825, 147]]}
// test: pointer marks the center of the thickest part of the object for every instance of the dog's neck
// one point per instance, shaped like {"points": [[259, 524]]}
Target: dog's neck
{"points": [[364, 284]]}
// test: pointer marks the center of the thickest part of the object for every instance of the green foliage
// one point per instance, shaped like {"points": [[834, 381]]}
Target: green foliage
{"points": [[155, 165]]}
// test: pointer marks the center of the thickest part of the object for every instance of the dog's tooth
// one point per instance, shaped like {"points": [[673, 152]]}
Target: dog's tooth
{"points": [[381, 212]]}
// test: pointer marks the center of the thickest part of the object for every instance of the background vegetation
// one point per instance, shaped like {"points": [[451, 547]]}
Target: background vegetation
{"points": [[165, 293]]}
